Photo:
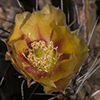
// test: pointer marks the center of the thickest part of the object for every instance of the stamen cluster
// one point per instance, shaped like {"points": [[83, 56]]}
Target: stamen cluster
{"points": [[45, 59]]}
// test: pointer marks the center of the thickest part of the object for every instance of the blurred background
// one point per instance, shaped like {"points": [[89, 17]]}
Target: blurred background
{"points": [[82, 14]]}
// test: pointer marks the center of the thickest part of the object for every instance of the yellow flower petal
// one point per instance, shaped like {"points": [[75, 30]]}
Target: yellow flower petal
{"points": [[16, 33], [17, 62], [22, 44], [55, 14], [63, 38], [42, 79], [60, 85], [49, 90], [38, 27], [63, 68], [80, 52]]}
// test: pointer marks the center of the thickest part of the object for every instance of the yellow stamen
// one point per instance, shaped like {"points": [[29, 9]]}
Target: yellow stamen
{"points": [[42, 55]]}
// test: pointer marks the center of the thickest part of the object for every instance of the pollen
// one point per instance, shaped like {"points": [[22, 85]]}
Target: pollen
{"points": [[42, 55]]}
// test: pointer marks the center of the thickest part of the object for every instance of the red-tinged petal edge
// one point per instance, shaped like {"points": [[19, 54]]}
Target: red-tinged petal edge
{"points": [[23, 59], [36, 73], [56, 68], [28, 41], [51, 35], [63, 82], [40, 35], [29, 69], [64, 56], [58, 44]]}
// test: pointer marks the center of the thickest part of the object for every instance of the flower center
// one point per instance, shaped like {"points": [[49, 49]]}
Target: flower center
{"points": [[42, 56], [39, 53]]}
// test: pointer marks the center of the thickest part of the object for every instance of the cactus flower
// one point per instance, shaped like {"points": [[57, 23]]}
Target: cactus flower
{"points": [[42, 48]]}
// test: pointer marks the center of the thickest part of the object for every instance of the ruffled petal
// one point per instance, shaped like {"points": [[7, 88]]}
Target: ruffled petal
{"points": [[43, 79], [22, 50], [16, 33], [63, 68], [60, 85], [80, 52], [56, 14], [17, 63], [49, 90], [39, 25], [63, 39]]}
